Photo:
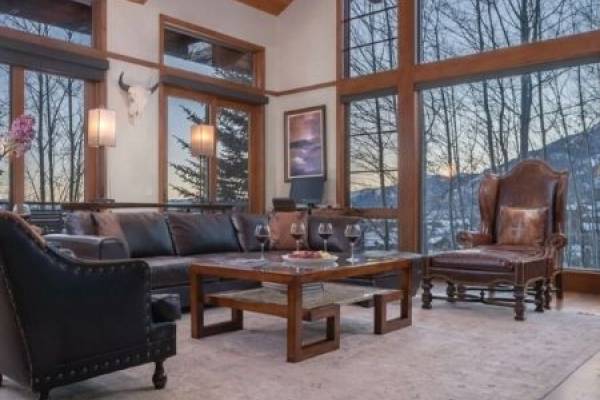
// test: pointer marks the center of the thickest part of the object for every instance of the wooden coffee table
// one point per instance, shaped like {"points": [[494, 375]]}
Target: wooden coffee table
{"points": [[295, 304]]}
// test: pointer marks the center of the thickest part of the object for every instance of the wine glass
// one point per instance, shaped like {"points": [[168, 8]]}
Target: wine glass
{"points": [[325, 231], [353, 234], [298, 231], [262, 233]]}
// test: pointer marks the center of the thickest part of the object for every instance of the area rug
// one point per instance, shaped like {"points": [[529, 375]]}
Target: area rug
{"points": [[467, 351]]}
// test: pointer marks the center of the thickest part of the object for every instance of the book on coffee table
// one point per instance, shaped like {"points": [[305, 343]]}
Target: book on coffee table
{"points": [[307, 288]]}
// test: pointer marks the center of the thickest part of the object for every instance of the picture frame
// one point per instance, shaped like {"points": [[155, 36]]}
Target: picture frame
{"points": [[305, 152]]}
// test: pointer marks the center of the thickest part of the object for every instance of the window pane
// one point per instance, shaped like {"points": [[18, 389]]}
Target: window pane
{"points": [[66, 20], [371, 42], [4, 126], [196, 54], [461, 27], [373, 152], [54, 167], [188, 175], [381, 234], [491, 125], [232, 152]]}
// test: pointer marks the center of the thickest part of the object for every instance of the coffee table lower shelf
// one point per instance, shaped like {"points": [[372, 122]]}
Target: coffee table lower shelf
{"points": [[317, 304]]}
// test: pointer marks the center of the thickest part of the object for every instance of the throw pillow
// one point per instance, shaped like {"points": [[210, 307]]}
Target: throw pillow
{"points": [[280, 224], [203, 233], [245, 224], [522, 226]]}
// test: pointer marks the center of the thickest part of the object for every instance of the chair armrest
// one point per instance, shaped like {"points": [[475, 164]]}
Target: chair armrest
{"points": [[470, 239], [91, 247], [554, 244], [93, 308]]}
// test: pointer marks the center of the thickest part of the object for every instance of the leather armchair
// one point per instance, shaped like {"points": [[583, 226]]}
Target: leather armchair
{"points": [[65, 320], [486, 263]]}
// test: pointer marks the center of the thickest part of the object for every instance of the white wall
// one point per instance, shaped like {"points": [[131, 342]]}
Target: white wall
{"points": [[300, 51]]}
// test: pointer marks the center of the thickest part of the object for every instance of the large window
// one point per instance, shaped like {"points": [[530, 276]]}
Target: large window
{"points": [[371, 36], [205, 56], [188, 177], [224, 178], [460, 27], [66, 20], [372, 160], [491, 125], [54, 167], [233, 126]]}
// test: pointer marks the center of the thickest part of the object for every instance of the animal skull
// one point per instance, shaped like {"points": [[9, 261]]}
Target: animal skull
{"points": [[137, 97]]}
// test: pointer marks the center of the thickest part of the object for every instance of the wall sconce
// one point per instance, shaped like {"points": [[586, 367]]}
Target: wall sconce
{"points": [[203, 140], [102, 125]]}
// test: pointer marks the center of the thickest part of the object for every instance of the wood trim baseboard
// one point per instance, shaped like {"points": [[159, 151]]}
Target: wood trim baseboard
{"points": [[581, 281]]}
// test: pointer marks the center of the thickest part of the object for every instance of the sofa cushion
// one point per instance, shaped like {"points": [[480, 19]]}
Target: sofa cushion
{"points": [[486, 258], [280, 224], [245, 224], [337, 242], [79, 223], [146, 233], [202, 233]]}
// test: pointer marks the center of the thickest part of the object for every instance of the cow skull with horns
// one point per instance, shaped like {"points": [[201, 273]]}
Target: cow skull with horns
{"points": [[137, 96]]}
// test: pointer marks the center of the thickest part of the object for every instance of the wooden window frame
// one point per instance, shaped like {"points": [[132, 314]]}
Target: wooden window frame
{"points": [[411, 77], [255, 145], [226, 89], [258, 54], [95, 95]]}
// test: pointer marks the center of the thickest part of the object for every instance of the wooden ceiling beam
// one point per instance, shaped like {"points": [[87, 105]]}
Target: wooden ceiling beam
{"points": [[274, 7]]}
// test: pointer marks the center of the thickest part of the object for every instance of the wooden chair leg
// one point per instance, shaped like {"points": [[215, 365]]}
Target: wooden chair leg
{"points": [[159, 379], [427, 297], [558, 282], [548, 294], [462, 292], [519, 294], [539, 296], [451, 292]]}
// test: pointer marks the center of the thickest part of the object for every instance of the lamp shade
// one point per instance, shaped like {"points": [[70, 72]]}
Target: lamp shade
{"points": [[203, 140], [102, 128]]}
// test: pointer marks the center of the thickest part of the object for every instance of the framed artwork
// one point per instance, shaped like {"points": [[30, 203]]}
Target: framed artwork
{"points": [[305, 146]]}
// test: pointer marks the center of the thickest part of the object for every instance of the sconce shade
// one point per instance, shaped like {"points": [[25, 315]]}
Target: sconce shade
{"points": [[102, 128], [203, 140]]}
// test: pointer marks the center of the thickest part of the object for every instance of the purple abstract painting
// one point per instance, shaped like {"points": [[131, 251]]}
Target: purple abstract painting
{"points": [[305, 152]]}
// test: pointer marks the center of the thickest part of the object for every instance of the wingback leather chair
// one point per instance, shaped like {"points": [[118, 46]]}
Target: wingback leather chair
{"points": [[63, 320], [519, 243]]}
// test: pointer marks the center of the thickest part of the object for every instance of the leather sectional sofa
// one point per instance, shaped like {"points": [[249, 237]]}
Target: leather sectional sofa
{"points": [[170, 242]]}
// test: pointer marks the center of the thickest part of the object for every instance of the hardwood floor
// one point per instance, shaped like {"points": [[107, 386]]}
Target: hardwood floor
{"points": [[584, 383]]}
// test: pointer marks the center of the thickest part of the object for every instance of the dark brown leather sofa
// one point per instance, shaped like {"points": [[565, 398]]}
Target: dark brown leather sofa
{"points": [[171, 242]]}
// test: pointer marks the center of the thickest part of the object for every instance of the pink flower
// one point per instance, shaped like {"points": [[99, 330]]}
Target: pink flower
{"points": [[20, 136]]}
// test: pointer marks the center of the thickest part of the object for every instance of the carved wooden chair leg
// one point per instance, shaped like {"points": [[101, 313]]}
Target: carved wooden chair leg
{"points": [[491, 291], [45, 394], [451, 292], [539, 296], [519, 294], [159, 379], [548, 294], [427, 297]]}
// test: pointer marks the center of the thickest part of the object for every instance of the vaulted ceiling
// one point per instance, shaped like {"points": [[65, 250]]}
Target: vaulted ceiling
{"points": [[274, 7]]}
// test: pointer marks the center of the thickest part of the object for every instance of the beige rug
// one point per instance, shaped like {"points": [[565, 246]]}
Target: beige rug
{"points": [[464, 352]]}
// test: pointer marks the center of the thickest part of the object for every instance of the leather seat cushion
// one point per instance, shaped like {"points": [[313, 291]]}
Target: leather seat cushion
{"points": [[171, 271], [485, 258], [201, 234]]}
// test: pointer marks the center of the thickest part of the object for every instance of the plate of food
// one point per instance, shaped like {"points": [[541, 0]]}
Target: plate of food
{"points": [[305, 257]]}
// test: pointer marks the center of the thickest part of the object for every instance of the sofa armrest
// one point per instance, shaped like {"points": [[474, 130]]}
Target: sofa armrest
{"points": [[468, 239], [91, 247]]}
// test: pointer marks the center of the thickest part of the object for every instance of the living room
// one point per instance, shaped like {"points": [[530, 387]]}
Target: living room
{"points": [[299, 199]]}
